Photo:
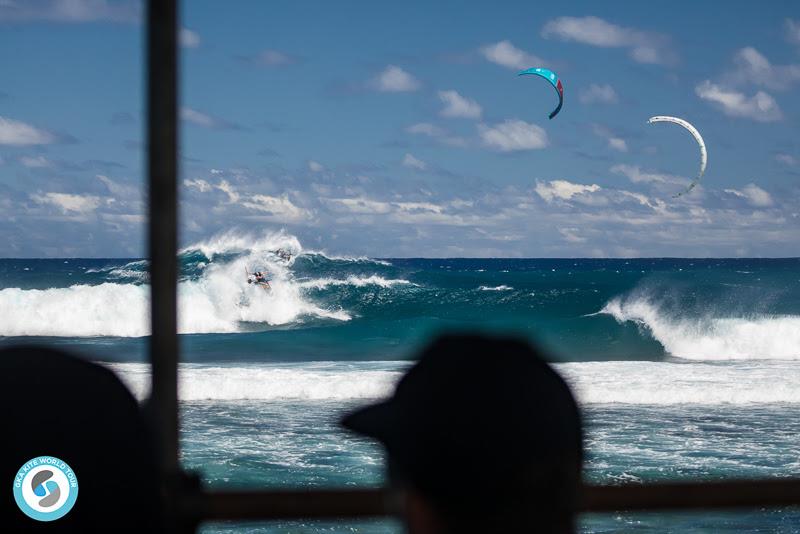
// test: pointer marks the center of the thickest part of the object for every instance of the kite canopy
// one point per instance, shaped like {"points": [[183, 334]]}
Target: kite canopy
{"points": [[551, 77], [697, 137]]}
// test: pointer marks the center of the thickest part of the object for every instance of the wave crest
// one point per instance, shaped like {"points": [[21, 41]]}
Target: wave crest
{"points": [[710, 337]]}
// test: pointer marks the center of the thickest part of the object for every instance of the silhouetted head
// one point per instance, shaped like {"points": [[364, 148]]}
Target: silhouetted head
{"points": [[485, 433], [57, 405]]}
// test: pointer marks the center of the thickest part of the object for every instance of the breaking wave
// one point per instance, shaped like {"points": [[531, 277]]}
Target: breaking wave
{"points": [[213, 293], [711, 335]]}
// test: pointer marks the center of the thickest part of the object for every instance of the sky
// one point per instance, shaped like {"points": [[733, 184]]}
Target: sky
{"points": [[401, 129]]}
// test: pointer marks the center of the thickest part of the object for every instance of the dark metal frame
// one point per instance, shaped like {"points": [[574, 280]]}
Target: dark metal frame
{"points": [[188, 506]]}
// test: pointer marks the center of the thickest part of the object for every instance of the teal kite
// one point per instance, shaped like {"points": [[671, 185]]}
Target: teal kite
{"points": [[551, 77]]}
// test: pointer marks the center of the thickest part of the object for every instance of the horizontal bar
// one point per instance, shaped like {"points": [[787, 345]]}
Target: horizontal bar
{"points": [[363, 503]]}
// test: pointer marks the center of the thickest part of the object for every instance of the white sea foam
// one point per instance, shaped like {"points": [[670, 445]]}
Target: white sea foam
{"points": [[710, 337], [219, 301], [495, 288], [624, 383], [309, 381], [355, 281]]}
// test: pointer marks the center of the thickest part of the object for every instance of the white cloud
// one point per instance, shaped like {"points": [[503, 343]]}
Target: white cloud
{"points": [[67, 203], [753, 194], [313, 166], [435, 132], [754, 68], [70, 11], [393, 79], [507, 55], [759, 107], [636, 175], [617, 143], [279, 208], [414, 163], [196, 117], [792, 31], [595, 93], [35, 162], [16, 133], [571, 235], [457, 106], [120, 190], [189, 38], [614, 142], [645, 47], [228, 189], [200, 185], [562, 189], [786, 159], [206, 121], [512, 135]]}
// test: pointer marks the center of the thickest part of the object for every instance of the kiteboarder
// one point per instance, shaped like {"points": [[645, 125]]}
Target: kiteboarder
{"points": [[259, 278]]}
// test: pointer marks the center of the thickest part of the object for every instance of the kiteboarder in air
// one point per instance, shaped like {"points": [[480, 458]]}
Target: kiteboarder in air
{"points": [[259, 278]]}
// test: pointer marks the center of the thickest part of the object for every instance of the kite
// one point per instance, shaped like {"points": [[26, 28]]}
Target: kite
{"points": [[551, 77], [697, 137]]}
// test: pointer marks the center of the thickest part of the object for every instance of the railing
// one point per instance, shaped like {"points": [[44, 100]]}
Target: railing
{"points": [[188, 506]]}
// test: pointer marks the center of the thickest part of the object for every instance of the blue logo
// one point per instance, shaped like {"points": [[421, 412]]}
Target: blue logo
{"points": [[45, 488]]}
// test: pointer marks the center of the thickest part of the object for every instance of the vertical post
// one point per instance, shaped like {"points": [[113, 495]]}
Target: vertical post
{"points": [[162, 156]]}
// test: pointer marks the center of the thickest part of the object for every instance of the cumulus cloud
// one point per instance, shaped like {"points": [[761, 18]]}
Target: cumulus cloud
{"points": [[595, 93], [280, 209], [644, 47], [314, 166], [457, 106], [70, 11], [67, 203], [786, 159], [189, 38], [752, 67], [754, 195], [513, 135], [200, 185], [393, 79], [17, 133], [562, 190], [414, 163], [759, 107], [505, 54]]}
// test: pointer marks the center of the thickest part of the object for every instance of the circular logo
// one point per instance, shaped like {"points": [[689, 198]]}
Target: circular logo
{"points": [[45, 488]]}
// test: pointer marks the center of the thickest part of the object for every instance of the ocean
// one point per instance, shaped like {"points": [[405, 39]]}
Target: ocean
{"points": [[684, 368]]}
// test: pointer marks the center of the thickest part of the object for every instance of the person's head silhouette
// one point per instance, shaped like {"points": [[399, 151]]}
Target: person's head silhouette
{"points": [[482, 436]]}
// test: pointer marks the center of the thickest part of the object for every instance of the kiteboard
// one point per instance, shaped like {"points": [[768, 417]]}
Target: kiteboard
{"points": [[251, 279]]}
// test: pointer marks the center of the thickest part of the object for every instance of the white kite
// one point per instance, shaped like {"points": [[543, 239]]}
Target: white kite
{"points": [[697, 137]]}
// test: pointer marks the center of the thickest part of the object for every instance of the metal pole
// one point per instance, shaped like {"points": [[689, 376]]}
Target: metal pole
{"points": [[162, 155], [377, 502]]}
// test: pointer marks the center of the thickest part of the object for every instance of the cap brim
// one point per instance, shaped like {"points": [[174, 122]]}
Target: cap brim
{"points": [[375, 421]]}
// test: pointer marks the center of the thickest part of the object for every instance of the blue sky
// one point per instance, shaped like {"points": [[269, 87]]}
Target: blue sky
{"points": [[401, 129]]}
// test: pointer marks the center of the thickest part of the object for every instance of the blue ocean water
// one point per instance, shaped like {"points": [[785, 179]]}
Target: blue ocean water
{"points": [[685, 368]]}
